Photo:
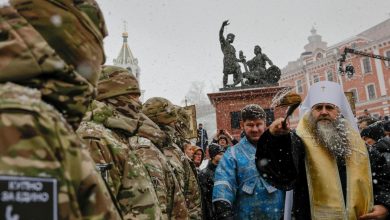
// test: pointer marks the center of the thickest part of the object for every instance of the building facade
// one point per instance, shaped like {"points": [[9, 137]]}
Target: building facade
{"points": [[369, 84]]}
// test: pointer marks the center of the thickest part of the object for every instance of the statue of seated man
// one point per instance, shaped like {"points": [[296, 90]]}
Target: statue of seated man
{"points": [[257, 67]]}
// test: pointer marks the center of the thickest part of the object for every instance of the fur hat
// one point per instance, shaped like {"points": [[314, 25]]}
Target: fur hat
{"points": [[215, 149], [374, 131]]}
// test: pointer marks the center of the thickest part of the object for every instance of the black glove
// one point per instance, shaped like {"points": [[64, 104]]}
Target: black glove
{"points": [[223, 210]]}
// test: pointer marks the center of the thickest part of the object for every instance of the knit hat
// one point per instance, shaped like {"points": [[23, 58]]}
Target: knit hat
{"points": [[374, 131], [215, 149]]}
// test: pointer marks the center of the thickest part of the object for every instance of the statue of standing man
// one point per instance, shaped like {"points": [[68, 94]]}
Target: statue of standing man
{"points": [[230, 62]]}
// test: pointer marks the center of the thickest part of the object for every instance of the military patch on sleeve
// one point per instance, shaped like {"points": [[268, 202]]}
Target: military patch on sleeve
{"points": [[28, 198]]}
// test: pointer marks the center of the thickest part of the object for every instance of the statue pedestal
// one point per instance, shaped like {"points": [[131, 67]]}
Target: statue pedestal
{"points": [[228, 104]]}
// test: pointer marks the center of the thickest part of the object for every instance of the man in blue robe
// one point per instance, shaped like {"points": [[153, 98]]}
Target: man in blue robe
{"points": [[239, 191]]}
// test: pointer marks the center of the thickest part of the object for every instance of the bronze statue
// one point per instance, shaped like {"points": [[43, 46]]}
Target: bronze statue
{"points": [[258, 74], [230, 62]]}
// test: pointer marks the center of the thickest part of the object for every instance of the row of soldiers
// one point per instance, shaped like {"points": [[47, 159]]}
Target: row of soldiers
{"points": [[144, 145], [150, 178], [63, 115]]}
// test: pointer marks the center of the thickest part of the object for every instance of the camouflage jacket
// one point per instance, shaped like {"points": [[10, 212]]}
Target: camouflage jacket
{"points": [[169, 191], [142, 133], [127, 179], [37, 145], [27, 59], [37, 142], [185, 172]]}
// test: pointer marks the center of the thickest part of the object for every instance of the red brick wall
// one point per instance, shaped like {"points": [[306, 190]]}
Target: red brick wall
{"points": [[226, 102]]}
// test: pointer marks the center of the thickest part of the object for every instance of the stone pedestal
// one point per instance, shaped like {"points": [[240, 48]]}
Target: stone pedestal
{"points": [[229, 102]]}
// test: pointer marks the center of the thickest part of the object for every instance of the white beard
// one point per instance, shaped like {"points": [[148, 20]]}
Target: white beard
{"points": [[333, 135]]}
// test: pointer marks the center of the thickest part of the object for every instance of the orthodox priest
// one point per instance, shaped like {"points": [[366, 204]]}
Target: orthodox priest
{"points": [[325, 162]]}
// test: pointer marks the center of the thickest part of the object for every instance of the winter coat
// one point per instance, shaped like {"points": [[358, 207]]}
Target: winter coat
{"points": [[383, 147], [206, 181], [285, 169], [240, 186], [202, 139]]}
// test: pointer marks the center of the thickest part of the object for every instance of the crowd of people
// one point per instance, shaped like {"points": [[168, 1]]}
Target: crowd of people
{"points": [[75, 140], [77, 143], [328, 167]]}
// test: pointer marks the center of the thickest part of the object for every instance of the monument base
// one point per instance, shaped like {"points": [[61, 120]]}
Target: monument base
{"points": [[228, 104], [228, 88]]}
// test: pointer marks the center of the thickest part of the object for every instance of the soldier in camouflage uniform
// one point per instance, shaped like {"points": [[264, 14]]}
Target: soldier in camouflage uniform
{"points": [[194, 199], [102, 128], [143, 136], [163, 113], [42, 94], [182, 125]]}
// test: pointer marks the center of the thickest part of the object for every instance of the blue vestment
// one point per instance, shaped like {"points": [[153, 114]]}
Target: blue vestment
{"points": [[238, 182]]}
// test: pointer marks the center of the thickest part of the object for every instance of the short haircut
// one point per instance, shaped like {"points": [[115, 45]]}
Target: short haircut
{"points": [[230, 34], [252, 112], [369, 120]]}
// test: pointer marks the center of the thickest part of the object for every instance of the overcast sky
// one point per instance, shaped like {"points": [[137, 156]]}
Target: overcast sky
{"points": [[176, 41]]}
